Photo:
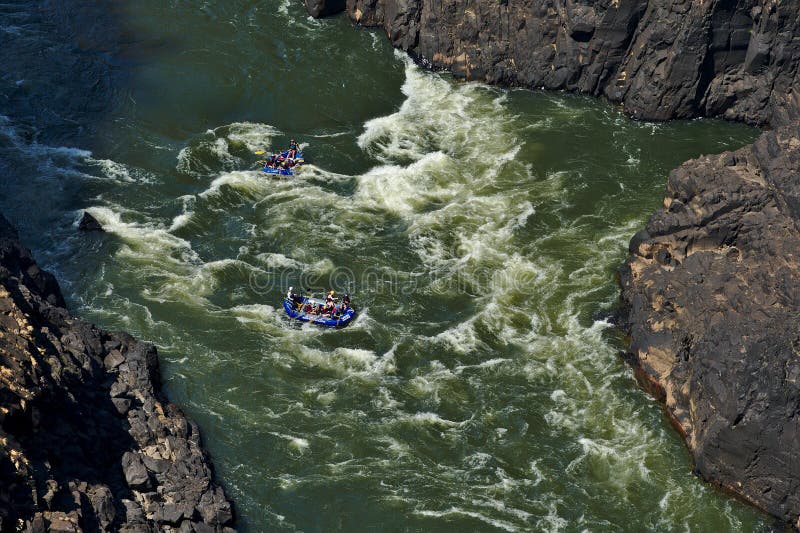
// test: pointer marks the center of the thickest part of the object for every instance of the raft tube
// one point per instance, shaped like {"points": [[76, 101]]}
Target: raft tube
{"points": [[319, 320]]}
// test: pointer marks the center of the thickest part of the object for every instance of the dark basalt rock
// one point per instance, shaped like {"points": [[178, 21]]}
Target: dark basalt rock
{"points": [[712, 291], [660, 59], [324, 8], [89, 223], [87, 442]]}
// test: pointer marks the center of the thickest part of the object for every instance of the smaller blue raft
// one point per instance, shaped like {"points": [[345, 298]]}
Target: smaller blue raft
{"points": [[320, 320], [299, 160]]}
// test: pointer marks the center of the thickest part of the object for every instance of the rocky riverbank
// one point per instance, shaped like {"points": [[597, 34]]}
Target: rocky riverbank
{"points": [[713, 293], [87, 441], [710, 289]]}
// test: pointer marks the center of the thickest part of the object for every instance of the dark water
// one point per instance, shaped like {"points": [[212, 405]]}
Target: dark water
{"points": [[478, 230]]}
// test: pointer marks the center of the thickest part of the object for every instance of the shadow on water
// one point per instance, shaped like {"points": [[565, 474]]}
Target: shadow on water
{"points": [[64, 69]]}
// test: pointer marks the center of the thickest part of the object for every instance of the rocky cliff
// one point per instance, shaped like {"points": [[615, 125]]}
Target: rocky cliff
{"points": [[660, 59], [713, 290], [711, 287], [87, 442]]}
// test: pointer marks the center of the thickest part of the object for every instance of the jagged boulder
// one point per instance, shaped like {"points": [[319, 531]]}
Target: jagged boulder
{"points": [[89, 223]]}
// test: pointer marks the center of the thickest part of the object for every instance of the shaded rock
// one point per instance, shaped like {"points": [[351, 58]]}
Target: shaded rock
{"points": [[659, 59], [62, 525], [158, 466], [102, 500], [122, 405], [214, 508], [68, 460], [89, 223], [136, 475], [203, 528], [169, 514], [324, 8]]}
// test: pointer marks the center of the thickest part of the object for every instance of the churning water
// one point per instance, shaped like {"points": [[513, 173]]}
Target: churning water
{"points": [[477, 229]]}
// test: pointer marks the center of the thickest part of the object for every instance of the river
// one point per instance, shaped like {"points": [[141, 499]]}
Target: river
{"points": [[477, 230]]}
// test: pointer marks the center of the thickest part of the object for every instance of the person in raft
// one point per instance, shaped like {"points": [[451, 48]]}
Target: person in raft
{"points": [[290, 295], [270, 162], [295, 298], [293, 148]]}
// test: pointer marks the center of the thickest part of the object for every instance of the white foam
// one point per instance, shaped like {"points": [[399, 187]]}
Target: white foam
{"points": [[150, 240], [501, 524], [211, 151], [276, 260], [345, 361], [119, 172], [243, 181], [256, 136], [298, 444], [183, 219], [434, 419]]}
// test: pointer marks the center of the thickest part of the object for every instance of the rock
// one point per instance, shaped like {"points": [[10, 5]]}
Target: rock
{"points": [[102, 500], [89, 399], [113, 360], [324, 8], [118, 389], [203, 528], [63, 523], [169, 514], [158, 466], [214, 508], [135, 472], [37, 525], [89, 223], [122, 405], [659, 59], [133, 512], [715, 330]]}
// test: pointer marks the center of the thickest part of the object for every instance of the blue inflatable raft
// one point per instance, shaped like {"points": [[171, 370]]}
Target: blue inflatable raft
{"points": [[299, 160], [327, 321]]}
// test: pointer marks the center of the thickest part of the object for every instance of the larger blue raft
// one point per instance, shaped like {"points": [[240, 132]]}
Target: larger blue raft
{"points": [[320, 320], [299, 160]]}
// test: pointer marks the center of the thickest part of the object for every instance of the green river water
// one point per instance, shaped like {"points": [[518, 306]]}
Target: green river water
{"points": [[477, 229]]}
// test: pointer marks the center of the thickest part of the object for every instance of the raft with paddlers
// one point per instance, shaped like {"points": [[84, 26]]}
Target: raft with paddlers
{"points": [[323, 311], [285, 163], [291, 166]]}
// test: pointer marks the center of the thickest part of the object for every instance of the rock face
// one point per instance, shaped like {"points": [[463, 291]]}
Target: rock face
{"points": [[712, 287], [713, 291], [87, 442], [661, 59], [89, 223], [323, 8]]}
